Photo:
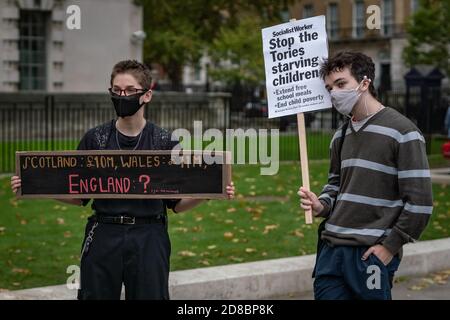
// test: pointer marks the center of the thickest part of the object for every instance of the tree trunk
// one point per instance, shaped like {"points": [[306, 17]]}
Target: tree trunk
{"points": [[174, 71]]}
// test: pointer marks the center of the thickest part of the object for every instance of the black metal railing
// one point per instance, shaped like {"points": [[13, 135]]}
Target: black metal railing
{"points": [[58, 121]]}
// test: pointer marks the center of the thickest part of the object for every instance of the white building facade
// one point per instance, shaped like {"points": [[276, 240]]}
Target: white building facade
{"points": [[66, 45]]}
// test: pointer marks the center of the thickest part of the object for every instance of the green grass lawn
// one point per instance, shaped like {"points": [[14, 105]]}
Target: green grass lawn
{"points": [[8, 150], [39, 239]]}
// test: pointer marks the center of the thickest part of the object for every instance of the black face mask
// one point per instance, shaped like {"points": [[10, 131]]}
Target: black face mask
{"points": [[127, 105]]}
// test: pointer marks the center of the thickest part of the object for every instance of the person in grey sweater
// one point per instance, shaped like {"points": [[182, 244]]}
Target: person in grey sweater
{"points": [[378, 196]]}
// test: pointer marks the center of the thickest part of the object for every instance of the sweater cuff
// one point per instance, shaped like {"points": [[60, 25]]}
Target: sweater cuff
{"points": [[326, 209], [394, 241]]}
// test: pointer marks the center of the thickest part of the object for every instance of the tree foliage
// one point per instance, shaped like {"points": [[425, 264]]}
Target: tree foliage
{"points": [[179, 32], [237, 53], [429, 35]]}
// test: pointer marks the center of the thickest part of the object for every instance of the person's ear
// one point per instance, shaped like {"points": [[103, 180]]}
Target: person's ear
{"points": [[147, 97], [365, 83]]}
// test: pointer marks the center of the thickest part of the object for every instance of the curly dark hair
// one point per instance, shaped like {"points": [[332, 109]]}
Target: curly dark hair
{"points": [[359, 64], [138, 70]]}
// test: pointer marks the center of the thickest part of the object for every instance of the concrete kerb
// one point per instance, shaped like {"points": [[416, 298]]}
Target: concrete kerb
{"points": [[441, 175], [260, 280]]}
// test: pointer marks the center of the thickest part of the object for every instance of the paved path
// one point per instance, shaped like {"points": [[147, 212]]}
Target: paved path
{"points": [[435, 286]]}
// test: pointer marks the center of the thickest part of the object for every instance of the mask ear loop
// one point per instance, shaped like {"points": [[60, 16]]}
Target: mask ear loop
{"points": [[365, 96]]}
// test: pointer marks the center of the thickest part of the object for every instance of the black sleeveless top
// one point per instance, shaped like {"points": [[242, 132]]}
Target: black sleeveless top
{"points": [[153, 137]]}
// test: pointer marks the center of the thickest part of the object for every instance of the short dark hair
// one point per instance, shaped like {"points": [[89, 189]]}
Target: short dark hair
{"points": [[359, 64], [138, 70]]}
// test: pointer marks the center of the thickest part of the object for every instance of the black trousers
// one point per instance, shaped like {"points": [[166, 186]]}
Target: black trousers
{"points": [[135, 255]]}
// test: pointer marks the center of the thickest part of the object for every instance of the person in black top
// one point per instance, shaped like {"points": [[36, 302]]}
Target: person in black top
{"points": [[126, 240]]}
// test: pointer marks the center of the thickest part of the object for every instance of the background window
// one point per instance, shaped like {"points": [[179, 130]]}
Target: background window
{"points": [[388, 17], [359, 19], [32, 48], [308, 11], [414, 6], [333, 21]]}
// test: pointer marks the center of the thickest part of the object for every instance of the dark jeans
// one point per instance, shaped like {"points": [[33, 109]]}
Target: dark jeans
{"points": [[340, 274], [135, 255]]}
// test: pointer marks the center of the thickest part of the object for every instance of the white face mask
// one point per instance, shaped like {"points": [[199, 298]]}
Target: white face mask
{"points": [[345, 100]]}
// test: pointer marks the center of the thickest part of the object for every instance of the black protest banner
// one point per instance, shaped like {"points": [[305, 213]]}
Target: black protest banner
{"points": [[123, 174]]}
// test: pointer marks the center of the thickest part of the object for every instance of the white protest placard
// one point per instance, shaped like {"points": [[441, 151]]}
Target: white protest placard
{"points": [[293, 52]]}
